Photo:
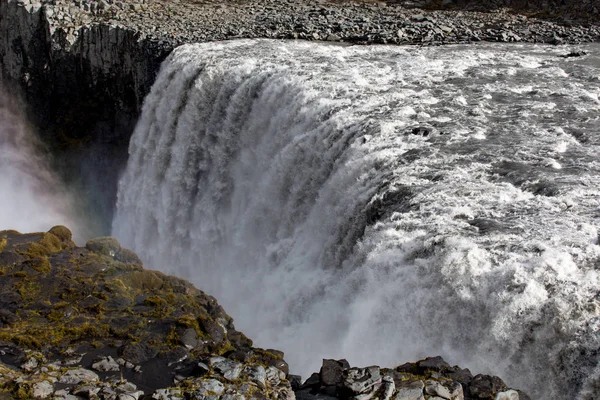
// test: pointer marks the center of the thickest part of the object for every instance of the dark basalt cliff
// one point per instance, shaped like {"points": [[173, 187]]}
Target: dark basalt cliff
{"points": [[91, 323], [84, 66]]}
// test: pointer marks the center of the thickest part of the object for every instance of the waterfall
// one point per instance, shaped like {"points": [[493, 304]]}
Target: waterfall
{"points": [[381, 204]]}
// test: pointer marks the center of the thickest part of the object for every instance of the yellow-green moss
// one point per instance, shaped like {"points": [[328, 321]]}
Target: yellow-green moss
{"points": [[161, 306], [29, 290], [41, 264], [172, 339], [143, 280], [51, 242], [3, 243], [62, 232]]}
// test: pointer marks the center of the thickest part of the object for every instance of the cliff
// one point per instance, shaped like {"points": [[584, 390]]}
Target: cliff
{"points": [[91, 322]]}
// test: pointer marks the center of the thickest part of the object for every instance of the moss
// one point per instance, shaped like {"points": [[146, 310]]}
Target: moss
{"points": [[51, 243], [161, 306], [62, 232], [106, 245], [226, 348], [34, 250], [23, 391], [87, 330], [29, 291], [188, 321], [143, 280], [41, 264], [10, 232], [27, 341], [3, 243]]}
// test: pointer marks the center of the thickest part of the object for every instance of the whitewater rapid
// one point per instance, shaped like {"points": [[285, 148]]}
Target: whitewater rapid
{"points": [[382, 204]]}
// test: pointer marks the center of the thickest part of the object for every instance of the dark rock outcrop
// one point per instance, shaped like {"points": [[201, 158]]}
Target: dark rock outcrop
{"points": [[431, 378], [82, 321]]}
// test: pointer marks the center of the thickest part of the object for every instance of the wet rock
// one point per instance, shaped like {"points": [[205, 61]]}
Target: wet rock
{"points": [[485, 386], [574, 54], [434, 364], [331, 372], [410, 391]]}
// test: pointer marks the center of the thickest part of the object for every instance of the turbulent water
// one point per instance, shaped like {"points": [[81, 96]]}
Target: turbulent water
{"points": [[382, 203], [32, 197]]}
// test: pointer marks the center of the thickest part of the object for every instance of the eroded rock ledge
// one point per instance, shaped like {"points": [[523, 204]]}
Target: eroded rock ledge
{"points": [[91, 323], [85, 66]]}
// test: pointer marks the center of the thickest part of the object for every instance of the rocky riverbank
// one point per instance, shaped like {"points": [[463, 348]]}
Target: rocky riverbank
{"points": [[85, 66], [91, 323]]}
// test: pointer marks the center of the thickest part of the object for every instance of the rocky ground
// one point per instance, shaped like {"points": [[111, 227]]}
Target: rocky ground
{"points": [[362, 22], [91, 323]]}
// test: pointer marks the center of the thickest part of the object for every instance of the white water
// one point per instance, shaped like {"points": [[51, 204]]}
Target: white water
{"points": [[284, 179], [32, 198]]}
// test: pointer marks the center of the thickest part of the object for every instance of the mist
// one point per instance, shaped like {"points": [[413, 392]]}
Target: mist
{"points": [[32, 196]]}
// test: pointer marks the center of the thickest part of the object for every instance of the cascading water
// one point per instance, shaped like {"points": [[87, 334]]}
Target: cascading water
{"points": [[382, 203], [32, 198]]}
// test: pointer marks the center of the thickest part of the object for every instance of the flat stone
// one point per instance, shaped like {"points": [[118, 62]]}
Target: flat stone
{"points": [[106, 364], [411, 391], [30, 364], [42, 390], [229, 369], [257, 375], [211, 386], [361, 380], [507, 395], [437, 389], [77, 376]]}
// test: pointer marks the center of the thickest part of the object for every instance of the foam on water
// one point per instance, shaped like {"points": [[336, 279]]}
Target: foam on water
{"points": [[382, 203]]}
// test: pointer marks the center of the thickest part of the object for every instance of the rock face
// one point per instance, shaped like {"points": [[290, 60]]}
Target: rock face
{"points": [[86, 321], [85, 66]]}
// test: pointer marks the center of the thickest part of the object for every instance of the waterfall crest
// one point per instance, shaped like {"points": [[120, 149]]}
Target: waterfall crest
{"points": [[380, 204]]}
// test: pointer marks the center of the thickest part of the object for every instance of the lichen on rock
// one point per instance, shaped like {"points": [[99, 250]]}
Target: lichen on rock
{"points": [[92, 316]]}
